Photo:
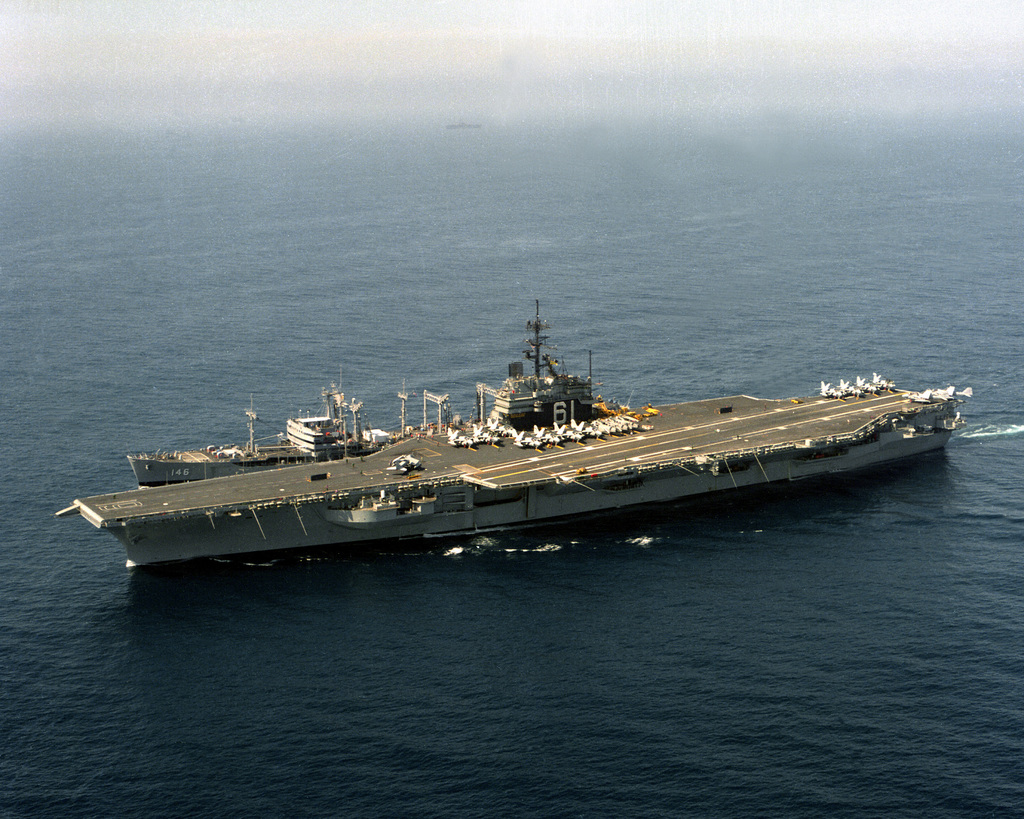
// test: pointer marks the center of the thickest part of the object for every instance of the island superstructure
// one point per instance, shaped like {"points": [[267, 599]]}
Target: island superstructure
{"points": [[544, 398], [506, 472]]}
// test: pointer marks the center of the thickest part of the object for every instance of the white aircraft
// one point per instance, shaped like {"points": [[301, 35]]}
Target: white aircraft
{"points": [[835, 392], [524, 441], [858, 389], [550, 437], [457, 438], [485, 435], [405, 464], [618, 424], [577, 432], [584, 431], [880, 383]]}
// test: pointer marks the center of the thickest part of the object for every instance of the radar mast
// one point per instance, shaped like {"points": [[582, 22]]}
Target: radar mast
{"points": [[538, 341]]}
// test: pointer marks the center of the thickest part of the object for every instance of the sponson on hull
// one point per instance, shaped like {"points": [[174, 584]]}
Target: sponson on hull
{"points": [[501, 473]]}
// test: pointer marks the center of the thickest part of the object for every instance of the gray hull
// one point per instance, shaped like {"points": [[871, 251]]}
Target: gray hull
{"points": [[198, 465], [155, 471]]}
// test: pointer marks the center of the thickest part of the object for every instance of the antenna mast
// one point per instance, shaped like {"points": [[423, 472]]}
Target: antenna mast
{"points": [[538, 341], [251, 413]]}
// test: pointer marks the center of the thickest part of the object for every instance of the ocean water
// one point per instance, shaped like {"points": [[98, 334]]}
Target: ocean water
{"points": [[850, 647]]}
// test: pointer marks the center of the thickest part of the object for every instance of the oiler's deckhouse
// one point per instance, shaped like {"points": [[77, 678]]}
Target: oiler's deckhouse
{"points": [[544, 399]]}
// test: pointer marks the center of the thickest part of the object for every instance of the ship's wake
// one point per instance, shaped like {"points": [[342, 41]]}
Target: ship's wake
{"points": [[643, 542], [484, 544], [994, 431]]}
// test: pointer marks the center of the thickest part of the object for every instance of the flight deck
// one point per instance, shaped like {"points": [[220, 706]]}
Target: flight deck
{"points": [[679, 433]]}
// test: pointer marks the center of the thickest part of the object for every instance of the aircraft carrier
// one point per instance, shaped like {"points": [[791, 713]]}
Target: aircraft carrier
{"points": [[450, 481]]}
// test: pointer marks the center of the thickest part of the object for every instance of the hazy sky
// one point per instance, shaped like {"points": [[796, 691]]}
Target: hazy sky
{"points": [[65, 62]]}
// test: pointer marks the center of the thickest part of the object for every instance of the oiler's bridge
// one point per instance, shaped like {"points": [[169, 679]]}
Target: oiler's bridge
{"points": [[681, 434]]}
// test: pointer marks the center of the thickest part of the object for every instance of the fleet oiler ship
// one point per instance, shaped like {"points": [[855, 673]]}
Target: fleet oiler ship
{"points": [[548, 449], [311, 439]]}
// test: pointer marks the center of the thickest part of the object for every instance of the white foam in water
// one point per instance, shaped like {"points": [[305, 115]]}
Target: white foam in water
{"points": [[483, 541], [640, 541], [994, 431], [546, 547]]}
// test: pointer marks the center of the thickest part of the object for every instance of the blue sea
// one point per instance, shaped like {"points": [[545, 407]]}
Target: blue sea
{"points": [[850, 647]]}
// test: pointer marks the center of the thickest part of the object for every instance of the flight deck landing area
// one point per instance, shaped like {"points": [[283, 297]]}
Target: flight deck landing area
{"points": [[684, 431]]}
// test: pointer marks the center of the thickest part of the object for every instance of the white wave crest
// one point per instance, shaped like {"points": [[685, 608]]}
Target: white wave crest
{"points": [[640, 541], [994, 431], [544, 547]]}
